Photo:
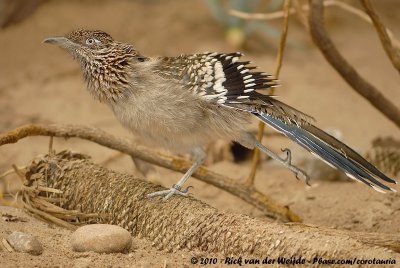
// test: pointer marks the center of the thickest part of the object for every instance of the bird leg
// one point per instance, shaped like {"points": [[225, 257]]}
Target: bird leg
{"points": [[199, 157], [287, 161]]}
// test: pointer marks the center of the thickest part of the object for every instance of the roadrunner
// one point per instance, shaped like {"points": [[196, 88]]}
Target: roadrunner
{"points": [[182, 103]]}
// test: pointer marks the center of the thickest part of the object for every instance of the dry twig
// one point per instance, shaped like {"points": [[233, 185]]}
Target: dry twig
{"points": [[332, 55], [279, 58], [245, 192]]}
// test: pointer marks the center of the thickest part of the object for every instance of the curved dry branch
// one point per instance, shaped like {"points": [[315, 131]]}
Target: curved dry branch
{"points": [[245, 192], [391, 51], [183, 223], [332, 55]]}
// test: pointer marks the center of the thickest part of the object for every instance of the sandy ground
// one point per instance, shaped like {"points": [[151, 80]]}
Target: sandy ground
{"points": [[39, 83]]}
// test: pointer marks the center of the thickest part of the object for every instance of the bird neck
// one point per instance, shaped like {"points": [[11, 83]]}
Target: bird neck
{"points": [[106, 72]]}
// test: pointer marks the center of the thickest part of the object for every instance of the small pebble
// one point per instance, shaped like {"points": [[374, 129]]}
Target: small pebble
{"points": [[23, 242], [101, 238]]}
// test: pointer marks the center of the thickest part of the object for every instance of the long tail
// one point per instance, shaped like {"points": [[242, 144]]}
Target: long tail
{"points": [[332, 151]]}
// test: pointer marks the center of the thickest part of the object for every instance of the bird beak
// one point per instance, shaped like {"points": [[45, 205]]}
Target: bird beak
{"points": [[59, 41]]}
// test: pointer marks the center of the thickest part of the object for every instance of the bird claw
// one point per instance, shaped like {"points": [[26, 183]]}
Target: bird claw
{"points": [[174, 190], [298, 172], [186, 190], [303, 174], [288, 159]]}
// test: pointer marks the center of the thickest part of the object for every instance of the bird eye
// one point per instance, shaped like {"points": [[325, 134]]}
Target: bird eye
{"points": [[92, 41]]}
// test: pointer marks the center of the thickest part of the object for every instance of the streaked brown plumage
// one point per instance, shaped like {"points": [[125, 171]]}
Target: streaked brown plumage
{"points": [[181, 103]]}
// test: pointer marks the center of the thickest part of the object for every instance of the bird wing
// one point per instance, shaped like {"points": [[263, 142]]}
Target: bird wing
{"points": [[224, 79]]}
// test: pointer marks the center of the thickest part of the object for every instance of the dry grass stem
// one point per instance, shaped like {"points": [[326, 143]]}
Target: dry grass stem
{"points": [[279, 59]]}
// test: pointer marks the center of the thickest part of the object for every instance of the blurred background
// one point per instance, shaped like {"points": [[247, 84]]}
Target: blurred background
{"points": [[42, 84]]}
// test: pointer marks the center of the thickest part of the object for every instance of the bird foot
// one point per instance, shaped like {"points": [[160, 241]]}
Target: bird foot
{"points": [[174, 190], [297, 171]]}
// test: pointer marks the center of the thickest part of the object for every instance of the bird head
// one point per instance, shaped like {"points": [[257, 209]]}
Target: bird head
{"points": [[91, 45], [104, 62]]}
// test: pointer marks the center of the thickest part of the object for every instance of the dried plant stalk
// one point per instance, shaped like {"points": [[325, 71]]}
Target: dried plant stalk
{"points": [[186, 223], [279, 59]]}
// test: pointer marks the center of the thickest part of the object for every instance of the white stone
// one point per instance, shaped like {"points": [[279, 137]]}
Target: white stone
{"points": [[101, 238]]}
